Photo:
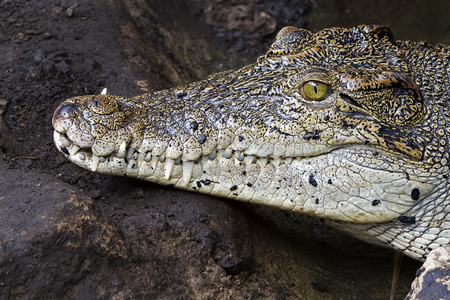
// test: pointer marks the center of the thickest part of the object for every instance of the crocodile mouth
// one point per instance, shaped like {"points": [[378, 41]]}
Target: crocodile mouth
{"points": [[127, 160], [130, 158]]}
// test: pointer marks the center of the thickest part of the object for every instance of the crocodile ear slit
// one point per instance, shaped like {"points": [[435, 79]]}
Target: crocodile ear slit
{"points": [[349, 100]]}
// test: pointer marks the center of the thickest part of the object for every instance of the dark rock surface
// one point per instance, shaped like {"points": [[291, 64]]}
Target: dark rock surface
{"points": [[67, 233]]}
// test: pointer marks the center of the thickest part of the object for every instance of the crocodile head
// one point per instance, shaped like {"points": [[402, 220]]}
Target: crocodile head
{"points": [[332, 124]]}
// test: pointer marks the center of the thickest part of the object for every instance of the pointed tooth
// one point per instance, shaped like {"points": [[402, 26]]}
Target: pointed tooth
{"points": [[74, 149], [249, 159], [263, 161], [140, 159], [64, 141], [212, 155], [154, 161], [122, 150], [241, 156], [148, 157], [277, 161], [188, 169], [94, 163], [104, 91], [130, 152], [170, 163], [227, 153], [288, 160]]}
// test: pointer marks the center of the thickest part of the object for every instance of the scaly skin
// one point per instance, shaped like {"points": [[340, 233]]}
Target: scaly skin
{"points": [[347, 125]]}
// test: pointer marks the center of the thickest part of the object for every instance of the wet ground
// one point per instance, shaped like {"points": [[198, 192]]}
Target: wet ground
{"points": [[172, 244]]}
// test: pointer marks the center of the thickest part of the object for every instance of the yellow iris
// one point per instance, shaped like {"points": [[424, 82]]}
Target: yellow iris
{"points": [[315, 90]]}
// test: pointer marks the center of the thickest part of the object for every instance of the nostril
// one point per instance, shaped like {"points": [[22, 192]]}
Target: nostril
{"points": [[65, 111]]}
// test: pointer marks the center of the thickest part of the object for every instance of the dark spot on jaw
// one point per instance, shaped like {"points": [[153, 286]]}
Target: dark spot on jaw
{"points": [[201, 139], [317, 201], [415, 194], [206, 181], [326, 118], [330, 181], [375, 202], [64, 149], [125, 159], [312, 180], [311, 135], [233, 187], [249, 184], [241, 138], [194, 125], [407, 176], [407, 220], [199, 184], [244, 173]]}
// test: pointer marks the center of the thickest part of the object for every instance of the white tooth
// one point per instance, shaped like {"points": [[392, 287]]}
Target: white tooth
{"points": [[249, 159], [104, 91], [140, 159], [74, 149], [169, 167], [81, 156], [94, 163], [263, 161], [212, 155], [227, 153], [288, 160], [241, 156], [154, 161], [122, 150], [64, 141], [277, 161], [130, 152], [148, 157], [188, 169]]}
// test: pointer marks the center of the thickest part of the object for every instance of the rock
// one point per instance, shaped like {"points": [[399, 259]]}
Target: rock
{"points": [[433, 278]]}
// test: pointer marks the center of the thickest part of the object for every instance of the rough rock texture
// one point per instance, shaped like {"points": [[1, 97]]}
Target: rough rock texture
{"points": [[67, 233], [433, 278]]}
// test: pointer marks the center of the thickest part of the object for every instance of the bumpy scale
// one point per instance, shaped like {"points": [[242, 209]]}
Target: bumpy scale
{"points": [[347, 125]]}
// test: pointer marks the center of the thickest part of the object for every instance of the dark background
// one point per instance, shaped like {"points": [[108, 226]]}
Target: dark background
{"points": [[65, 232]]}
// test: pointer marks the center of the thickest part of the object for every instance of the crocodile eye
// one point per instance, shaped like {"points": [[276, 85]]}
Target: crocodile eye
{"points": [[315, 90]]}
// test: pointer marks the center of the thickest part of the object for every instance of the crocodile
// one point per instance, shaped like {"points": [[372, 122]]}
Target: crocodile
{"points": [[348, 125]]}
